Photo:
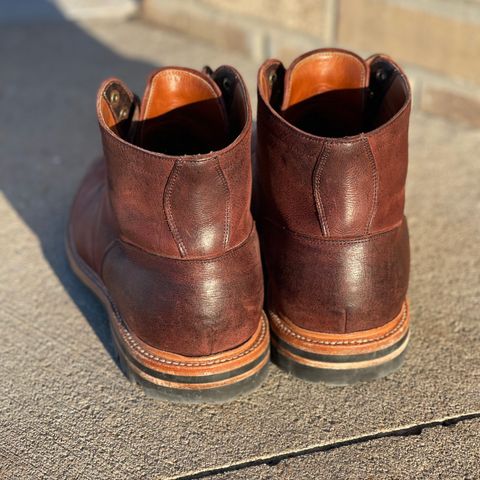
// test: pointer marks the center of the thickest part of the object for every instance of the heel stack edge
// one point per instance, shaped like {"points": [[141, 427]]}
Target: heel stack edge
{"points": [[340, 359]]}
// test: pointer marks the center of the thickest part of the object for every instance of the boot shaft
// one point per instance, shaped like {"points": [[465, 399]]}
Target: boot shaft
{"points": [[178, 164], [332, 149]]}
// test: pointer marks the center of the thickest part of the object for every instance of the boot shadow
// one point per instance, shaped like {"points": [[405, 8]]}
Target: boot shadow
{"points": [[46, 147]]}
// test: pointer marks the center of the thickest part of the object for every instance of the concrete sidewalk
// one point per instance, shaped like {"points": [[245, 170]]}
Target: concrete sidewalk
{"points": [[67, 412]]}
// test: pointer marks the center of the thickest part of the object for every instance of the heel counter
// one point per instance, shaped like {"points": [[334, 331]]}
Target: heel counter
{"points": [[337, 286], [188, 307]]}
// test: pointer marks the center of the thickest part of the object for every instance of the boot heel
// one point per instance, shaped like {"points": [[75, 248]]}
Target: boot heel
{"points": [[340, 359], [215, 379]]}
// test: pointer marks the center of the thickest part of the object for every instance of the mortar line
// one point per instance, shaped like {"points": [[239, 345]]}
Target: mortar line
{"points": [[407, 431]]}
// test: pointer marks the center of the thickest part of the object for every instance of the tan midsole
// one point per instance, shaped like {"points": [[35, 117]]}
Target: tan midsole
{"points": [[342, 365], [354, 343]]}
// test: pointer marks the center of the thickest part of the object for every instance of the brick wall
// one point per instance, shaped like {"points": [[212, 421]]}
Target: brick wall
{"points": [[438, 41]]}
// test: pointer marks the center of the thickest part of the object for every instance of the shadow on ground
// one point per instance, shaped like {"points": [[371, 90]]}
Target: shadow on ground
{"points": [[45, 152]]}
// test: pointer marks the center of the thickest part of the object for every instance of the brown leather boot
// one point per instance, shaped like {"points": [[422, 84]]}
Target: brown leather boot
{"points": [[332, 161], [161, 231]]}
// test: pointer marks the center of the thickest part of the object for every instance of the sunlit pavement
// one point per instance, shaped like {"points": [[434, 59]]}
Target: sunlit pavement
{"points": [[66, 411]]}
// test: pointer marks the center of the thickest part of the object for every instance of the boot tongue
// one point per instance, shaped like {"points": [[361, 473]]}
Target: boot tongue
{"points": [[321, 72], [182, 113]]}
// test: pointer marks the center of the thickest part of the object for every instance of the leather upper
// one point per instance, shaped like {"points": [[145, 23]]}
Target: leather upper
{"points": [[333, 285], [331, 165], [192, 307], [171, 234]]}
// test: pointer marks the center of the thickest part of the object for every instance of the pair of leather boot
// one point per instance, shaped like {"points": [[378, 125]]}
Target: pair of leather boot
{"points": [[161, 229]]}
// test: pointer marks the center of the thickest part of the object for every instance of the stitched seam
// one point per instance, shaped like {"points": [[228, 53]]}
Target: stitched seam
{"points": [[226, 228], [112, 242], [98, 261], [134, 344], [322, 218], [168, 209], [316, 139], [285, 328], [373, 209], [330, 241], [233, 251], [283, 123]]}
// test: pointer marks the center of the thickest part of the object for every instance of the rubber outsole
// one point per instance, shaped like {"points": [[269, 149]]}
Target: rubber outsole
{"points": [[338, 362], [213, 379]]}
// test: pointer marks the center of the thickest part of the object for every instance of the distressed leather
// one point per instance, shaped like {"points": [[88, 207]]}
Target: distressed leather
{"points": [[171, 234], [336, 285], [330, 189], [193, 307]]}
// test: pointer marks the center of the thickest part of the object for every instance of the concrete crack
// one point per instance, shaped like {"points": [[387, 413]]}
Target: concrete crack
{"points": [[272, 460]]}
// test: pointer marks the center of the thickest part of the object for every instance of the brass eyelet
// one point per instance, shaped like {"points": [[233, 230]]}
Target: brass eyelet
{"points": [[123, 113], [114, 96]]}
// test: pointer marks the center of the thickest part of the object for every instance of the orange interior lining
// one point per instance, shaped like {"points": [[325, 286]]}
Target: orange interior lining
{"points": [[322, 72], [175, 88]]}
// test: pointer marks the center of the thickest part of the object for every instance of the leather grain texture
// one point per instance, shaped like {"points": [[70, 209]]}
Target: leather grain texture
{"points": [[336, 286], [172, 236], [192, 308], [345, 188], [330, 208]]}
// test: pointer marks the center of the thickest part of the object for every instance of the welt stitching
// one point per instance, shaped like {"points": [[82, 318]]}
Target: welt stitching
{"points": [[362, 341], [146, 354], [168, 210], [316, 188], [373, 209], [226, 227], [134, 344]]}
